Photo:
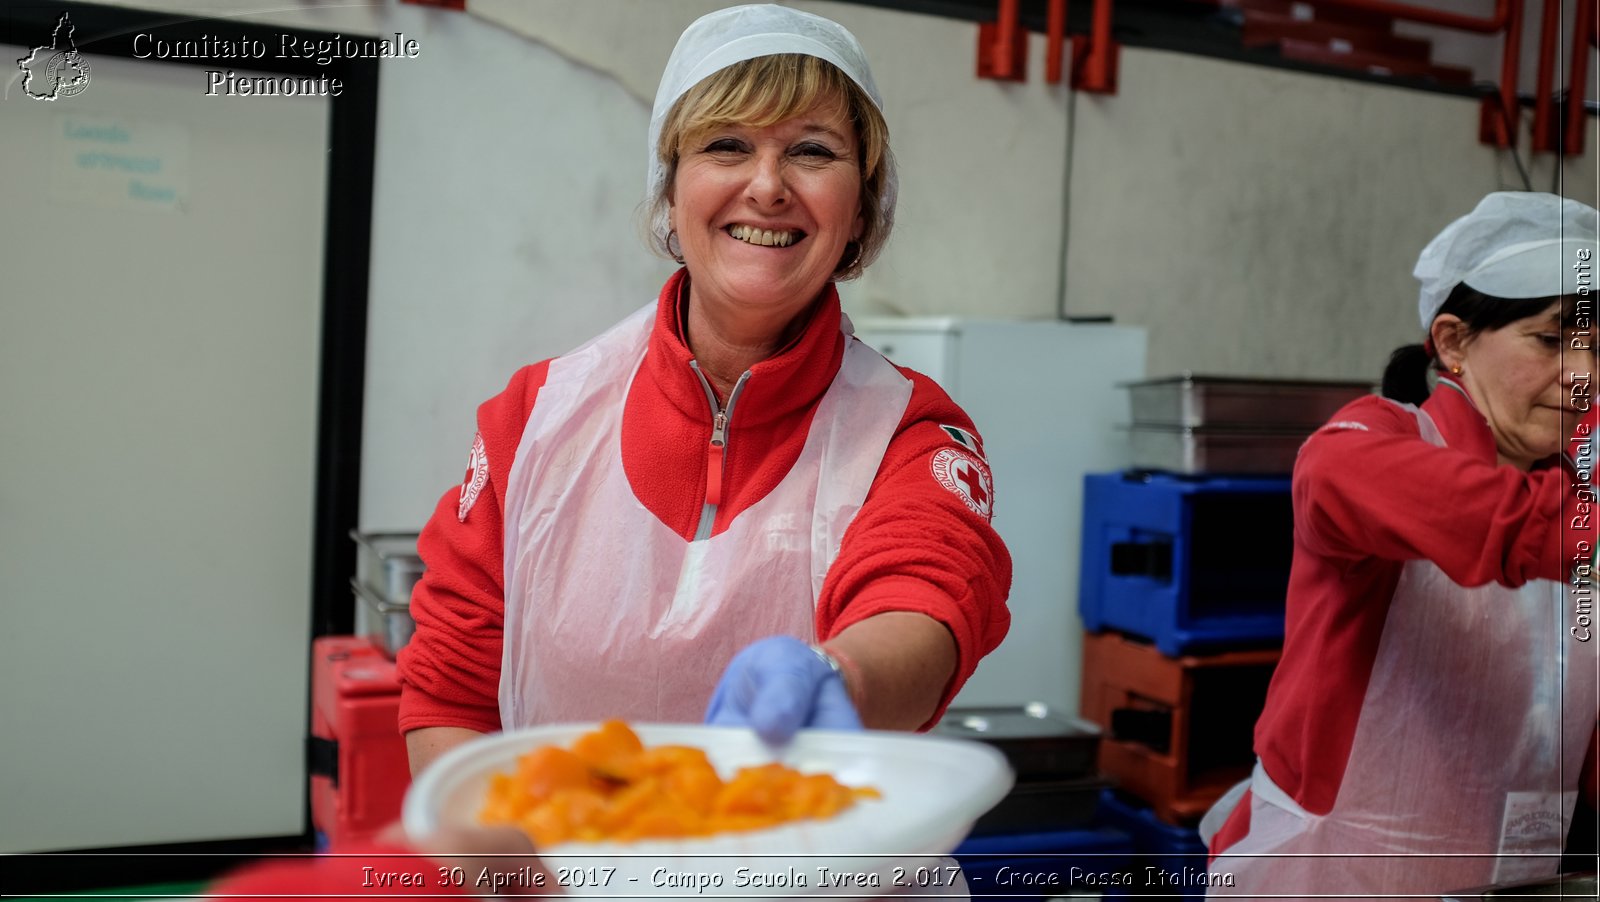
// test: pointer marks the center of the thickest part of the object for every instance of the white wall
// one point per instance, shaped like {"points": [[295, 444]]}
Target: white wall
{"points": [[503, 234], [1255, 220], [1265, 222]]}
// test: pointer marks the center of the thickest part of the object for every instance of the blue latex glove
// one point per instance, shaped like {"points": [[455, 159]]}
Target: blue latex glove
{"points": [[778, 685]]}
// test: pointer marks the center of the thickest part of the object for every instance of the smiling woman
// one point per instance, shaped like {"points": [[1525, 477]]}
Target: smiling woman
{"points": [[763, 92], [763, 215], [725, 506]]}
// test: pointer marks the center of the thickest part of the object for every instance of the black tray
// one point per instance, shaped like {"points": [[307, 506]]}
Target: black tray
{"points": [[1039, 743], [1043, 807]]}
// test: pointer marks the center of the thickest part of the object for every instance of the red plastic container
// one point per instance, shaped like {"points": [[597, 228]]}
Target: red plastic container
{"points": [[359, 768], [1178, 731]]}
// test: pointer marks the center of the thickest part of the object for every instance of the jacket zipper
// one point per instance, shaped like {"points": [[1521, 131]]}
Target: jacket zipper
{"points": [[717, 452]]}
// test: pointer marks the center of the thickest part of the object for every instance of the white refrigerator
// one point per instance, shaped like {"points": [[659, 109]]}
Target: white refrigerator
{"points": [[1046, 399]]}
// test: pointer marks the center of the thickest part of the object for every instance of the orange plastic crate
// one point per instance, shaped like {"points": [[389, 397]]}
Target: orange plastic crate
{"points": [[1204, 709]]}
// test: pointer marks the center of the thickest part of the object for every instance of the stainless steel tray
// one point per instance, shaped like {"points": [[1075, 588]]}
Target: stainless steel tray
{"points": [[1039, 743], [388, 563], [1186, 450], [1194, 401], [387, 622]]}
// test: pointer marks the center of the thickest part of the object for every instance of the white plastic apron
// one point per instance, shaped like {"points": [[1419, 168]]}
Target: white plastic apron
{"points": [[1471, 741], [609, 612]]}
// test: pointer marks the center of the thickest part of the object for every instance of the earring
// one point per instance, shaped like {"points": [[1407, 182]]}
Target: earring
{"points": [[1456, 370], [855, 257], [677, 253]]}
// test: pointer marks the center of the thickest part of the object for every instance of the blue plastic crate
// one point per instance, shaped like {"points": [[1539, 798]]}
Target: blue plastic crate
{"points": [[1167, 858], [1189, 562], [1039, 865]]}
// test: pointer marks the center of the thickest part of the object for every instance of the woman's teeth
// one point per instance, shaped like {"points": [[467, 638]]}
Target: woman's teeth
{"points": [[764, 237]]}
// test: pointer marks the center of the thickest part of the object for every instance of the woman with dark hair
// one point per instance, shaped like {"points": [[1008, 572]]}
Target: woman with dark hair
{"points": [[1428, 724], [1406, 378]]}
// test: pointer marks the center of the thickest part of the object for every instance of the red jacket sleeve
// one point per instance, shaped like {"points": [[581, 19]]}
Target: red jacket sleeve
{"points": [[450, 670], [916, 546], [1368, 485]]}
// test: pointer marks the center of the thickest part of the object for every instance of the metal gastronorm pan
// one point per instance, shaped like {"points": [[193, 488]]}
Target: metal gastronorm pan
{"points": [[1192, 401]]}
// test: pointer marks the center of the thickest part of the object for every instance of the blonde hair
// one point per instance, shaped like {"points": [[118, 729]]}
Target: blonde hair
{"points": [[765, 91]]}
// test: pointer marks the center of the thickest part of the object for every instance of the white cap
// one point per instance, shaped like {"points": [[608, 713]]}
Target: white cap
{"points": [[1515, 244], [718, 40]]}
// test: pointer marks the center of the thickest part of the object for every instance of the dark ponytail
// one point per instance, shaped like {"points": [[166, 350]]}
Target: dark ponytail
{"points": [[1405, 379]]}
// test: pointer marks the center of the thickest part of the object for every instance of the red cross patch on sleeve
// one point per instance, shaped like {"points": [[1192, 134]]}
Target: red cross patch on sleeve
{"points": [[477, 477], [967, 476]]}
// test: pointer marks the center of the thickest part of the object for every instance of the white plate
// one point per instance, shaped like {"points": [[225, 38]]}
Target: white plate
{"points": [[933, 789]]}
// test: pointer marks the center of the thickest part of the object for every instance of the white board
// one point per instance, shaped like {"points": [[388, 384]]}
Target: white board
{"points": [[160, 316]]}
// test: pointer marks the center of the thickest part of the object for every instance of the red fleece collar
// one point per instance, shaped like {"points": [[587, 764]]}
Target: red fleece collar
{"points": [[1459, 420], [780, 385], [1463, 425]]}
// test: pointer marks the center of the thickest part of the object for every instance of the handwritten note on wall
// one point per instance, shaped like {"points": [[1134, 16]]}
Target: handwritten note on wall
{"points": [[120, 163]]}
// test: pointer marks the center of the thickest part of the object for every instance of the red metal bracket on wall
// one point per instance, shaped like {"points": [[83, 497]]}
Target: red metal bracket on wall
{"points": [[1003, 56], [1497, 116], [1583, 37], [1095, 57], [1003, 48], [1544, 104], [1055, 31], [1549, 122]]}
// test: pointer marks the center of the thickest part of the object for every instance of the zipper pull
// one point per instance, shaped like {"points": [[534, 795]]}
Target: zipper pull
{"points": [[719, 441]]}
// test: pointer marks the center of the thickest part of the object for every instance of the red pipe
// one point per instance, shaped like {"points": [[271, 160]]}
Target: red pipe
{"points": [[1502, 10], [1544, 135], [1583, 36], [1099, 70], [1498, 117], [1005, 39], [1056, 32], [1510, 59]]}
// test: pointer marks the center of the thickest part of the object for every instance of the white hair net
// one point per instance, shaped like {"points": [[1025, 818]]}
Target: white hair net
{"points": [[1515, 244], [718, 40]]}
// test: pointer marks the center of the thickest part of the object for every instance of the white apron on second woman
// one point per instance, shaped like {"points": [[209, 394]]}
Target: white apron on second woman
{"points": [[608, 611], [1466, 756]]}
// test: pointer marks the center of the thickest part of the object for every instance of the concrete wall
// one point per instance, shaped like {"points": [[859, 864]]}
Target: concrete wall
{"points": [[1256, 221], [1265, 222]]}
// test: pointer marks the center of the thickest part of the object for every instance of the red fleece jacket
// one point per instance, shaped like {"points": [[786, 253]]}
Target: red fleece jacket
{"points": [[1369, 495], [914, 545]]}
